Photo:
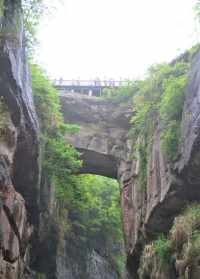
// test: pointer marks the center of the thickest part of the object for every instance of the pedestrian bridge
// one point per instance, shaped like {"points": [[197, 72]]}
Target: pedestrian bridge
{"points": [[86, 87]]}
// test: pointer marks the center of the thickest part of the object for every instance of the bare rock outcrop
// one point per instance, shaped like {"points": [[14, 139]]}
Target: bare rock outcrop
{"points": [[150, 210], [19, 149], [103, 131]]}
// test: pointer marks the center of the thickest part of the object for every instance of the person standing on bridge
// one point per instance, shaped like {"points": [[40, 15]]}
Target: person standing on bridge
{"points": [[60, 81], [97, 82]]}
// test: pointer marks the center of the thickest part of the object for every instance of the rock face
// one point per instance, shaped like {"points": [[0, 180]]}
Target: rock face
{"points": [[30, 232], [106, 150], [150, 211], [19, 168], [89, 265], [57, 255], [103, 131]]}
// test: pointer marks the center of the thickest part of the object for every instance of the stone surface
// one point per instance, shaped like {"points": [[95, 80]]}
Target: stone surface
{"points": [[78, 264], [103, 131], [60, 255], [19, 169], [106, 150], [150, 211]]}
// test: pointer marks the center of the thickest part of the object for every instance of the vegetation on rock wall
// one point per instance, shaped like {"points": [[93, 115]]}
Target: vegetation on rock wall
{"points": [[96, 217], [157, 107], [60, 158], [122, 93], [160, 100], [89, 205], [197, 10], [33, 11], [1, 7], [179, 253], [4, 112]]}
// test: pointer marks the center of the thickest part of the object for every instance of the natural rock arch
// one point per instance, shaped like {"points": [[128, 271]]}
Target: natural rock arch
{"points": [[103, 131]]}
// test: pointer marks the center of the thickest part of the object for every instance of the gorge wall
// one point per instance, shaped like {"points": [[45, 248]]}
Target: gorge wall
{"points": [[19, 149], [31, 237], [32, 243], [170, 186]]}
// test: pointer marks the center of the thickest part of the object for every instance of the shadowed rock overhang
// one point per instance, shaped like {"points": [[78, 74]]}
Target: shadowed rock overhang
{"points": [[103, 131]]}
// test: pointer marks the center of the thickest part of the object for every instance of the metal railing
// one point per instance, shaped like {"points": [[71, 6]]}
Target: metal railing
{"points": [[88, 83]]}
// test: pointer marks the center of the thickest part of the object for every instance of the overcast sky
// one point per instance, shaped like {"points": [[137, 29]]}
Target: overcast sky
{"points": [[114, 38]]}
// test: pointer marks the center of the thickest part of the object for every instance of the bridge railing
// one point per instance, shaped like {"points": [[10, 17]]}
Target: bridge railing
{"points": [[88, 83]]}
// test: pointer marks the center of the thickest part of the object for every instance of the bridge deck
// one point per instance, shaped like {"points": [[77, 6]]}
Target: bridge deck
{"points": [[86, 87], [89, 83]]}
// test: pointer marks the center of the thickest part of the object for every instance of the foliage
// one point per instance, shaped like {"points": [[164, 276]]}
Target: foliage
{"points": [[180, 250], [94, 215], [91, 203], [157, 99], [95, 203], [160, 97], [146, 261], [171, 107], [157, 105], [170, 139], [34, 11], [46, 100], [47, 104], [143, 165], [185, 235], [100, 215], [4, 112], [121, 94], [40, 276], [193, 51], [197, 9], [1, 7], [163, 249], [171, 104], [60, 159], [185, 226]]}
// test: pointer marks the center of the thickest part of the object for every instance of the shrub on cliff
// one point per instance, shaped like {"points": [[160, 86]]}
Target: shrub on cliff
{"points": [[96, 217], [160, 98], [90, 203], [122, 93], [60, 158], [186, 228], [163, 249], [171, 108], [179, 252]]}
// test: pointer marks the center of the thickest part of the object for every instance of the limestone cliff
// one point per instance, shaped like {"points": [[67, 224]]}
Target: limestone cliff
{"points": [[18, 148], [31, 231], [32, 241], [169, 188]]}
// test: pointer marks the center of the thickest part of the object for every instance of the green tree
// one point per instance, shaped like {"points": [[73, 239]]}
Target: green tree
{"points": [[60, 158], [34, 11]]}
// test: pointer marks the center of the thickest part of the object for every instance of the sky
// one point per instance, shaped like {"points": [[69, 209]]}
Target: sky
{"points": [[86, 39]]}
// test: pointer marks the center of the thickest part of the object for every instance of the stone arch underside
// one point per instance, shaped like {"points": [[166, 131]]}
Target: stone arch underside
{"points": [[103, 131]]}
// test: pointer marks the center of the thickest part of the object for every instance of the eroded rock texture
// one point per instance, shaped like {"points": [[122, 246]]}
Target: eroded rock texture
{"points": [[103, 131], [150, 211], [106, 150], [18, 148], [73, 263]]}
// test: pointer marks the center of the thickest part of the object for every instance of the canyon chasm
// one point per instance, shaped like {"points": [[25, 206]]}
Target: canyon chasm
{"points": [[33, 243]]}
